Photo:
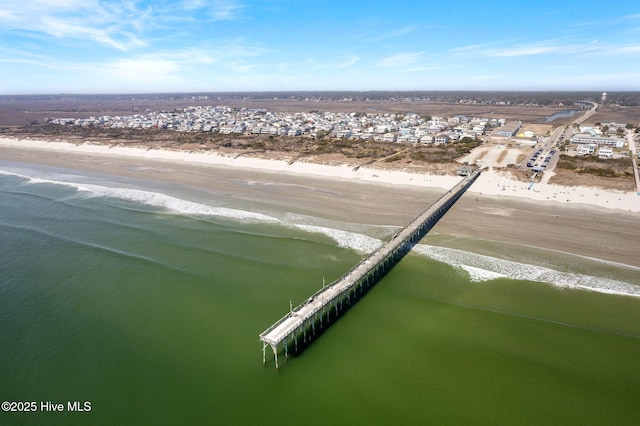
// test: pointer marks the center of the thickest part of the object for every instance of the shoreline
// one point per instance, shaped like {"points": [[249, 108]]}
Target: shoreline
{"points": [[597, 230], [491, 182]]}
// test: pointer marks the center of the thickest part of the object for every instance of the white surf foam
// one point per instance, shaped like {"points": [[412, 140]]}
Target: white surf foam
{"points": [[479, 274], [477, 267], [483, 268], [480, 267], [154, 199], [175, 205], [352, 240]]}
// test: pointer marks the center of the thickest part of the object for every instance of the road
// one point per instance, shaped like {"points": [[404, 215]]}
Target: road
{"points": [[555, 136], [588, 114], [545, 159], [553, 139]]}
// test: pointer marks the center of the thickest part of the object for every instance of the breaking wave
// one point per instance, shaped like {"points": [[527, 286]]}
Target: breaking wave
{"points": [[154, 199], [477, 267], [483, 268], [352, 240]]}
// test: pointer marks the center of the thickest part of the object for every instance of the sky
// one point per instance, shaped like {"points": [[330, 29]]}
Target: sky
{"points": [[138, 46]]}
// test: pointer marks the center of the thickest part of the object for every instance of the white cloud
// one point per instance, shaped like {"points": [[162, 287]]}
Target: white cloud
{"points": [[548, 47], [226, 10], [193, 4], [118, 24], [348, 63], [34, 62], [181, 65], [400, 32], [400, 60], [422, 68], [526, 51], [17, 56], [506, 51], [111, 24], [627, 49], [139, 70], [191, 10], [65, 29], [242, 68]]}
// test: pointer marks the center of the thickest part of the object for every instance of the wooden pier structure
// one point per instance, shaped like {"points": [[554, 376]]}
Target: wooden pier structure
{"points": [[295, 330]]}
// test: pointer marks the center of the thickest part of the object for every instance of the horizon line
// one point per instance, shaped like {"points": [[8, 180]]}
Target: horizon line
{"points": [[320, 91]]}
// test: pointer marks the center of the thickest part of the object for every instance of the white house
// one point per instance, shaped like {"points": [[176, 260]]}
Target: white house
{"points": [[390, 137], [605, 152], [442, 139], [586, 149]]}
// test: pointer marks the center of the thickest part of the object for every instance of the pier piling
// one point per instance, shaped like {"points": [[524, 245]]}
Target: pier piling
{"points": [[362, 276]]}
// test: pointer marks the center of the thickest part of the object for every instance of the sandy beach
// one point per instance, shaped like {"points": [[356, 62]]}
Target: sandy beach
{"points": [[586, 221]]}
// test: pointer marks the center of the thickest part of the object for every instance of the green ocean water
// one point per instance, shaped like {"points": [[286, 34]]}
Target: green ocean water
{"points": [[149, 307]]}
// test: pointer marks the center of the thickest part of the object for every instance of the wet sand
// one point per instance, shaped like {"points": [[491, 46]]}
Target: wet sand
{"points": [[608, 234]]}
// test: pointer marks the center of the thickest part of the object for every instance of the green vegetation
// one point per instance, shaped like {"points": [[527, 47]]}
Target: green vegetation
{"points": [[612, 168], [323, 143], [443, 153], [466, 144], [598, 172]]}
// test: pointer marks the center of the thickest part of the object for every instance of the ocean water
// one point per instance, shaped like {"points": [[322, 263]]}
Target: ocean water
{"points": [[147, 299]]}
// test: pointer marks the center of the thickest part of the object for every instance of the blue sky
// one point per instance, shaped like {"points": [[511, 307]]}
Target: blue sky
{"points": [[130, 46]]}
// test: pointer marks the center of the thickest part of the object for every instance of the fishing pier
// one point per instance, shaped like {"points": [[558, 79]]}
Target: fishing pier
{"points": [[295, 330]]}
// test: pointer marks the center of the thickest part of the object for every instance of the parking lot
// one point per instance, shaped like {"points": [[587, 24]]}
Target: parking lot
{"points": [[542, 159]]}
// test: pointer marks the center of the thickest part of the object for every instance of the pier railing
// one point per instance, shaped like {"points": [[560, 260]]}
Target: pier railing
{"points": [[313, 311]]}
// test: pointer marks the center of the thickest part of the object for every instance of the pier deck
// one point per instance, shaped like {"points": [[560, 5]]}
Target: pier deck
{"points": [[311, 313]]}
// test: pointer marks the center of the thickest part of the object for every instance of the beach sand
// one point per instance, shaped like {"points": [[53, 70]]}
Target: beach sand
{"points": [[585, 221]]}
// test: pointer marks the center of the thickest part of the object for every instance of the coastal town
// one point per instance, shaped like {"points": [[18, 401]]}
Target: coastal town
{"points": [[410, 127], [606, 140], [322, 212]]}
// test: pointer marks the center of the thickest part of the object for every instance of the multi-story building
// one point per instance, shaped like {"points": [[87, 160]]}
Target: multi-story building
{"points": [[582, 138]]}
